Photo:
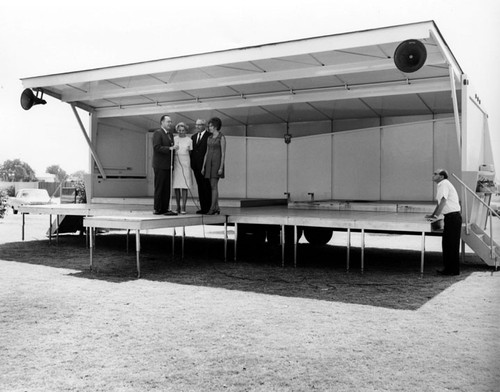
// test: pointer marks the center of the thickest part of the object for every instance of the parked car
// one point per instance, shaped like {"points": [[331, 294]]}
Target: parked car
{"points": [[28, 197], [495, 203]]}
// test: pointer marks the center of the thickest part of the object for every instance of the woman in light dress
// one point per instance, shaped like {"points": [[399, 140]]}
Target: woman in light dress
{"points": [[182, 166]]}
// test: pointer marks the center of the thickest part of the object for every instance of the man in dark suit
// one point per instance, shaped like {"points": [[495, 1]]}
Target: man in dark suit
{"points": [[163, 146], [197, 156]]}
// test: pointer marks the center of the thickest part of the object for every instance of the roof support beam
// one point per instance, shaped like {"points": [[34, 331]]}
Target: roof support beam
{"points": [[262, 77], [450, 59], [455, 109], [92, 149], [297, 96]]}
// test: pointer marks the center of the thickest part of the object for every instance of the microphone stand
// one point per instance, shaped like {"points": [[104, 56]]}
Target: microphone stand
{"points": [[171, 179], [170, 212]]}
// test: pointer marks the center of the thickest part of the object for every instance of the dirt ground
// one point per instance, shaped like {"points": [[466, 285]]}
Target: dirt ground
{"points": [[202, 324]]}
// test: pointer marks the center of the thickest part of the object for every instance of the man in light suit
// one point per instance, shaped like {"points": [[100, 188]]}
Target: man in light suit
{"points": [[197, 156], [163, 146]]}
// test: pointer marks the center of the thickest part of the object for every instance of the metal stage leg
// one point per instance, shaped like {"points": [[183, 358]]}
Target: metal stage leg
{"points": [[50, 229], [87, 234], [128, 232], [463, 251], [138, 251], [422, 256], [225, 240], [182, 241], [235, 240], [57, 234], [173, 242], [348, 248], [295, 246], [282, 240], [362, 250], [91, 245], [22, 229]]}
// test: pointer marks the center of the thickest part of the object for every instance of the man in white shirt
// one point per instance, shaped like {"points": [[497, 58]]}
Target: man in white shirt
{"points": [[449, 206]]}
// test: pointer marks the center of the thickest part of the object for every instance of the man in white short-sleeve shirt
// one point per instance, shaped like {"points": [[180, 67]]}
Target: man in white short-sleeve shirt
{"points": [[448, 204]]}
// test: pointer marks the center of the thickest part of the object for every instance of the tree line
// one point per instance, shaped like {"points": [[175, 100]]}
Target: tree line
{"points": [[15, 170]]}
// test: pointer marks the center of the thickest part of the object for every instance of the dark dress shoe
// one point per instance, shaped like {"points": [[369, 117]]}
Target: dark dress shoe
{"points": [[157, 212], [200, 212], [169, 212]]}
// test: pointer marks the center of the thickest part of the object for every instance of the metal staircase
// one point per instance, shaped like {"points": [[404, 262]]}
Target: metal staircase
{"points": [[486, 248], [476, 233]]}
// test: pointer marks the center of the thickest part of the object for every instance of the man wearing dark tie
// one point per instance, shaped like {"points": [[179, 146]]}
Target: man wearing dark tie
{"points": [[197, 156], [163, 146]]}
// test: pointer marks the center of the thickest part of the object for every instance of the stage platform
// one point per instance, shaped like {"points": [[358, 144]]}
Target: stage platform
{"points": [[137, 217], [149, 222]]}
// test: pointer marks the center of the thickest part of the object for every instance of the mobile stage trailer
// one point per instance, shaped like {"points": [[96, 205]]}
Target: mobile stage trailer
{"points": [[354, 121]]}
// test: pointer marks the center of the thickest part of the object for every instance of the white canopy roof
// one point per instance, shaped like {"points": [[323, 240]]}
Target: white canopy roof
{"points": [[341, 76]]}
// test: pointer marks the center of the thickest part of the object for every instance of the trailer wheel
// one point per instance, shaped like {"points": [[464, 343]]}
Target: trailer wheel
{"points": [[318, 235]]}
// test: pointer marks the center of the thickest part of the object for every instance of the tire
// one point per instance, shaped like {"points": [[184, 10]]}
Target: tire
{"points": [[318, 235]]}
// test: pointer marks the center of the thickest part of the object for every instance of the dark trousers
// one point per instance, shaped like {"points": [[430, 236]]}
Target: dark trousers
{"points": [[451, 242], [204, 191], [162, 190]]}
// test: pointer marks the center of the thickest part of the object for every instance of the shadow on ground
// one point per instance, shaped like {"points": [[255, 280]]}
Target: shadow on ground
{"points": [[391, 278]]}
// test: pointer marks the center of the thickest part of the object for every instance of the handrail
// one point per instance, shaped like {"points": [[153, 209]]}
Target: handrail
{"points": [[476, 196], [491, 213]]}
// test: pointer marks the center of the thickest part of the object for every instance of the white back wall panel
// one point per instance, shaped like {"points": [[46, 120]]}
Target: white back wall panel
{"points": [[474, 135], [310, 167], [149, 164], [234, 183], [407, 162], [266, 167], [120, 187], [356, 165], [121, 151], [446, 153]]}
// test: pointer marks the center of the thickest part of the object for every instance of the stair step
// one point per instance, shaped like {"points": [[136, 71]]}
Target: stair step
{"points": [[486, 239], [482, 245], [476, 229]]}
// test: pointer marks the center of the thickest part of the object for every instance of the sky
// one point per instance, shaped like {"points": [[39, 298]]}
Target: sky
{"points": [[54, 36]]}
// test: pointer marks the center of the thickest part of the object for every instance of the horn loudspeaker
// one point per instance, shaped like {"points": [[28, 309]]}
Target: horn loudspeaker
{"points": [[28, 99], [410, 55]]}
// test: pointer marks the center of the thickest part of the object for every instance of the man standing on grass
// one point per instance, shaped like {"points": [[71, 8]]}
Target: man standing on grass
{"points": [[449, 206]]}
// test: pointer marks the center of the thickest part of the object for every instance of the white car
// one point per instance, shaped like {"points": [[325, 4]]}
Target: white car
{"points": [[29, 197], [495, 203]]}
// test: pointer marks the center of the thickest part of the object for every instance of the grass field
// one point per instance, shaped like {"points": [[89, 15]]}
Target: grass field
{"points": [[202, 324]]}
